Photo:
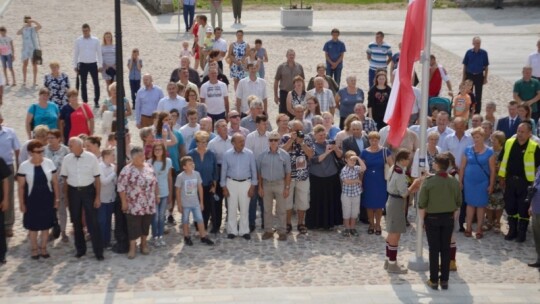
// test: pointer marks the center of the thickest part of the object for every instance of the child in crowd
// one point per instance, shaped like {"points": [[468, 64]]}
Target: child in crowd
{"points": [[462, 103], [491, 108], [350, 193], [261, 55], [162, 167], [7, 54], [107, 178], [189, 194], [495, 208], [135, 65], [453, 171], [469, 87], [252, 58], [185, 50], [175, 120]]}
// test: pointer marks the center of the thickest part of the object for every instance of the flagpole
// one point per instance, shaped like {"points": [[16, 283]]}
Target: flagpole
{"points": [[417, 263]]}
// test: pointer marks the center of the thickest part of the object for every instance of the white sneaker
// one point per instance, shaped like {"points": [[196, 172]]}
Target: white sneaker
{"points": [[162, 242], [155, 242]]}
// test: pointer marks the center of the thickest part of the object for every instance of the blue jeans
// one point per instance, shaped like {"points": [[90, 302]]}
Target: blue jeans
{"points": [[134, 86], [189, 13], [105, 221], [334, 73], [371, 77], [158, 222], [253, 208]]}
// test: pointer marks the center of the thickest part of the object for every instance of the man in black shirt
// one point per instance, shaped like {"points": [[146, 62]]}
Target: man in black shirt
{"points": [[519, 160], [5, 172]]}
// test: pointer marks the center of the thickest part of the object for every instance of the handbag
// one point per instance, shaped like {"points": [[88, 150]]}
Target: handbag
{"points": [[387, 167], [86, 118], [56, 227], [37, 55]]}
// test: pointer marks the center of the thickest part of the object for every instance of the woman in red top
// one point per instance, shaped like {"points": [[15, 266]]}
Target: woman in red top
{"points": [[76, 118], [195, 32]]}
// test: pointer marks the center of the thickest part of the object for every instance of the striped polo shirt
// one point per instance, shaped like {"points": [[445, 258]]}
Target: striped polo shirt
{"points": [[379, 55]]}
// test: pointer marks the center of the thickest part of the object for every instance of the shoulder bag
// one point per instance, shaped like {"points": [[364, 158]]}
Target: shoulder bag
{"points": [[86, 118]]}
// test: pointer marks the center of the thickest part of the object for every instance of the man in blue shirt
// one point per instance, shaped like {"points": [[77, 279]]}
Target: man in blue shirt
{"points": [[146, 102], [334, 50], [238, 180], [475, 68]]}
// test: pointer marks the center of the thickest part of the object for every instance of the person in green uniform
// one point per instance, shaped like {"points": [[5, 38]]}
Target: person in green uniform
{"points": [[439, 203]]}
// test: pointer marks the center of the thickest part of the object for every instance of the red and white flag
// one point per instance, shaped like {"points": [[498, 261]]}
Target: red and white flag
{"points": [[402, 97]]}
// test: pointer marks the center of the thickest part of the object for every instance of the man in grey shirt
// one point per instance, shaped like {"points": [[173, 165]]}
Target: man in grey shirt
{"points": [[274, 173], [238, 180]]}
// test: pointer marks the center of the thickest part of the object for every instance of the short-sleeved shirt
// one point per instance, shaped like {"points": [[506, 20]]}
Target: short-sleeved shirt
{"points": [[214, 96], [9, 143], [379, 55], [140, 188], [527, 90], [461, 105], [299, 161], [173, 152], [162, 173], [334, 49], [349, 172], [5, 46], [45, 116], [348, 101], [378, 101], [475, 62], [274, 166], [286, 74], [189, 188], [326, 99], [80, 171]]}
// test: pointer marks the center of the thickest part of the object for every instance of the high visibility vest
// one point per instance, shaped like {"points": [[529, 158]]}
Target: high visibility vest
{"points": [[528, 159]]}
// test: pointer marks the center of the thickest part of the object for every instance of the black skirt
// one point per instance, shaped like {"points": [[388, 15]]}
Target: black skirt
{"points": [[325, 202]]}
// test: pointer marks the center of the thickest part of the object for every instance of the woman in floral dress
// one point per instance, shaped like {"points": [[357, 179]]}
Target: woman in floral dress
{"points": [[137, 187], [58, 84], [237, 51]]}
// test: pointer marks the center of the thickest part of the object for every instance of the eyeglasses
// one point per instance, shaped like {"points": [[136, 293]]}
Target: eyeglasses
{"points": [[38, 151], [273, 140], [234, 116]]}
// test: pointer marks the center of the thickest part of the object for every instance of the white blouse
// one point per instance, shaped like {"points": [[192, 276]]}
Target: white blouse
{"points": [[26, 169]]}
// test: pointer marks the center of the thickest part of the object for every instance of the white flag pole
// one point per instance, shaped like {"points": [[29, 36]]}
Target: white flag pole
{"points": [[417, 262]]}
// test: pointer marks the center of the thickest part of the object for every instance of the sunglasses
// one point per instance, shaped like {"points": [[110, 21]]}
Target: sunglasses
{"points": [[273, 139]]}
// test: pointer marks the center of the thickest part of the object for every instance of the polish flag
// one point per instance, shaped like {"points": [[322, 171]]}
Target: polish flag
{"points": [[402, 97]]}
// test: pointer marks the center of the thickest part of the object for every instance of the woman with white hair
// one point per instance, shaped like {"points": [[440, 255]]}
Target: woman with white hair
{"points": [[347, 98]]}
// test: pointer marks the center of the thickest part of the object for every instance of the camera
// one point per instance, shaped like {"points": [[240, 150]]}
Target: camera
{"points": [[331, 142], [299, 134], [531, 191]]}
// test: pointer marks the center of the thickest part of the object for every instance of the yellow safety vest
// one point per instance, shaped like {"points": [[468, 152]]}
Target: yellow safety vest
{"points": [[528, 159]]}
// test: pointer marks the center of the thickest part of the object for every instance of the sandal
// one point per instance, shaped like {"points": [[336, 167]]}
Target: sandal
{"points": [[370, 230], [35, 254], [378, 231], [497, 228], [302, 229], [289, 228], [479, 235], [467, 233]]}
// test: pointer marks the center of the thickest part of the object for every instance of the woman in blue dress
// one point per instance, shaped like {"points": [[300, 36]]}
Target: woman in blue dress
{"points": [[237, 51], [29, 33], [374, 196], [477, 176]]}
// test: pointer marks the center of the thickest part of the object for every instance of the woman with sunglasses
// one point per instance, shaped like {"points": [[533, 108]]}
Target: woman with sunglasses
{"points": [[38, 197]]}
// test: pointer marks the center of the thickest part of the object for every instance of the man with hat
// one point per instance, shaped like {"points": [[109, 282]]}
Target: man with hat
{"points": [[274, 175]]}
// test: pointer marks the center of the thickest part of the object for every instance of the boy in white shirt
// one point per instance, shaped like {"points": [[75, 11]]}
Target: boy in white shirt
{"points": [[188, 130]]}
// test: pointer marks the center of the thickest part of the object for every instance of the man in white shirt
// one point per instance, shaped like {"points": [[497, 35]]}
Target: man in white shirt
{"points": [[87, 58], [188, 130], [251, 85], [172, 100], [325, 96], [442, 127], [82, 187], [215, 95], [220, 44], [534, 61]]}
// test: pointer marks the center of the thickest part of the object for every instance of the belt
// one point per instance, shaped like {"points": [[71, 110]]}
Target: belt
{"points": [[395, 195], [474, 74], [82, 188], [147, 116], [273, 181], [239, 180]]}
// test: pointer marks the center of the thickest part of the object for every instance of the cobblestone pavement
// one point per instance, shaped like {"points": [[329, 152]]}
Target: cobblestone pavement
{"points": [[323, 258]]}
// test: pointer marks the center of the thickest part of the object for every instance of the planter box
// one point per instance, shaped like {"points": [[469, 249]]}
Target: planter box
{"points": [[296, 17]]}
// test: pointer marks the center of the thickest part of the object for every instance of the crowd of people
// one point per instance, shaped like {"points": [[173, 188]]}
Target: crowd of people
{"points": [[202, 150]]}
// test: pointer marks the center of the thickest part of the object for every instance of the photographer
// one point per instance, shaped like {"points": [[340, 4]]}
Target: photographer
{"points": [[325, 211], [519, 159], [300, 150]]}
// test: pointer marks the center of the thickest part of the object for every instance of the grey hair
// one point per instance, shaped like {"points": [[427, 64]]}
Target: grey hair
{"points": [[358, 105], [220, 121], [317, 120], [76, 140], [144, 132], [135, 150], [357, 123], [256, 103]]}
